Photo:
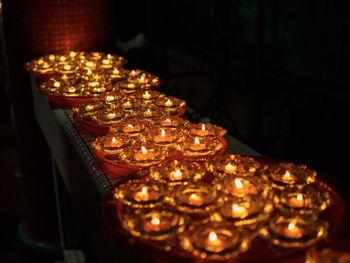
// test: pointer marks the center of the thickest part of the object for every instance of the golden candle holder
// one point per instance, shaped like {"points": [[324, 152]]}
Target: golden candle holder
{"points": [[214, 240], [111, 145], [195, 147], [128, 104], [86, 110], [295, 230], [132, 128], [288, 174], [250, 212], [306, 200], [170, 105], [140, 193], [109, 116], [128, 87], [68, 67], [148, 96], [205, 130], [96, 86], [165, 136], [177, 172], [116, 74], [51, 86], [144, 79], [110, 98], [225, 164], [196, 199], [42, 65], [170, 122], [149, 112], [242, 185], [158, 226], [144, 154]]}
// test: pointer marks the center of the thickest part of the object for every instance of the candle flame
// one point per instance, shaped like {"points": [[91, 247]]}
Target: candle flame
{"points": [[109, 56], [131, 85], [67, 67], [57, 84], [142, 79], [89, 72], [113, 139], [89, 64], [52, 57], [62, 58], [167, 120], [110, 98], [112, 115], [300, 197], [196, 140], [133, 72], [177, 173], [212, 236], [203, 127], [143, 149], [146, 95], [72, 54], [105, 61], [71, 89], [130, 125], [144, 190], [238, 183], [168, 103], [115, 71], [155, 221], [93, 84], [287, 175], [237, 208], [163, 132], [230, 168], [291, 226]]}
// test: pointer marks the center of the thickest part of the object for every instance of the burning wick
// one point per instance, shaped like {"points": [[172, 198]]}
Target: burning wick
{"points": [[238, 184]]}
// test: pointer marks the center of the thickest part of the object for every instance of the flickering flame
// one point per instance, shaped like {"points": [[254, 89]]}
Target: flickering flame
{"points": [[142, 79], [203, 127], [89, 107], [93, 84], [286, 175], [155, 221], [40, 61], [113, 139], [133, 73], [52, 57], [229, 168], [62, 58], [163, 133], [72, 54], [168, 103], [212, 236], [154, 80], [238, 183], [115, 71], [89, 64], [177, 173], [109, 56], [89, 72], [57, 84], [300, 197], [71, 89], [105, 61], [67, 67], [143, 149], [237, 208], [196, 140], [109, 98], [146, 95], [131, 85], [167, 120], [291, 226], [144, 190], [111, 115], [130, 125]]}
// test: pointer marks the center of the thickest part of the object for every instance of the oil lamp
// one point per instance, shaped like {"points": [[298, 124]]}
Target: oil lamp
{"points": [[295, 230], [67, 68], [85, 110], [95, 88], [149, 112], [148, 96], [158, 226], [214, 240], [177, 172], [140, 193], [222, 165], [170, 105], [196, 199], [128, 87], [306, 200], [205, 130], [130, 127], [288, 174], [109, 116], [110, 145], [164, 136], [247, 211], [170, 122], [194, 147], [51, 86], [143, 155], [110, 98]]}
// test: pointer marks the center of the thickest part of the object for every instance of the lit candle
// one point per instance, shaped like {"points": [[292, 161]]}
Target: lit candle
{"points": [[299, 201], [229, 168], [133, 73], [52, 57], [144, 155], [142, 195], [72, 54], [168, 103], [111, 115], [146, 95], [243, 187], [293, 231], [197, 145], [288, 178], [157, 223], [112, 143], [71, 90], [175, 175], [110, 98], [239, 211], [214, 243], [195, 199], [146, 194], [163, 137], [89, 107]]}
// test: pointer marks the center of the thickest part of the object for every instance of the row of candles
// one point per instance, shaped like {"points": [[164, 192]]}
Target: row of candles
{"points": [[214, 209], [206, 203]]}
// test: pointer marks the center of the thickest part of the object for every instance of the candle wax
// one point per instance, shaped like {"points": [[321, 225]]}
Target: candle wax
{"points": [[156, 224], [293, 231], [146, 194]]}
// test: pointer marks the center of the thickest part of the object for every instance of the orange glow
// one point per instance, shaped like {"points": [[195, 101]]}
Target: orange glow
{"points": [[143, 149], [163, 132], [196, 140], [203, 127], [229, 168], [291, 226], [212, 237], [300, 197], [237, 208], [155, 221], [168, 103], [238, 183], [144, 190]]}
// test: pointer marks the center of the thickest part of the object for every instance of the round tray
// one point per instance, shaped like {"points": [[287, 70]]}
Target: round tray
{"points": [[261, 250], [92, 127]]}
